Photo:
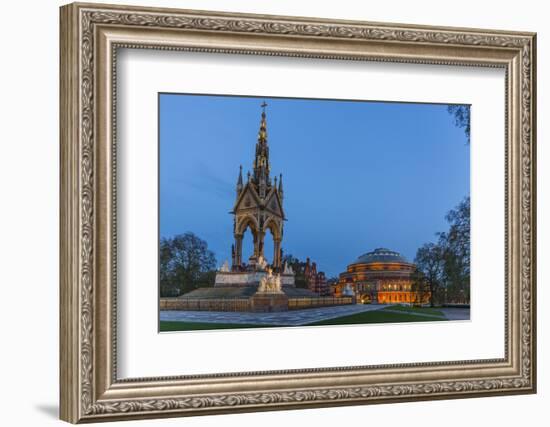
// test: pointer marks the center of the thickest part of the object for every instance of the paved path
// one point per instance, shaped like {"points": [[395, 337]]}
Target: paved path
{"points": [[287, 318]]}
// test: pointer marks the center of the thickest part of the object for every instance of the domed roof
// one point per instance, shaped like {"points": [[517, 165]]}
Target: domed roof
{"points": [[381, 255]]}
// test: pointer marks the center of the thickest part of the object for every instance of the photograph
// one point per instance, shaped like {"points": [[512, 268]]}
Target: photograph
{"points": [[293, 212]]}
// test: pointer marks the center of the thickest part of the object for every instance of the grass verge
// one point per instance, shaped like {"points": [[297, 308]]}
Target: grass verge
{"points": [[172, 326], [377, 316], [411, 309]]}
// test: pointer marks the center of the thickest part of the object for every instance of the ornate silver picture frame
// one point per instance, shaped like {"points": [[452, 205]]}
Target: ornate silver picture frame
{"points": [[91, 35]]}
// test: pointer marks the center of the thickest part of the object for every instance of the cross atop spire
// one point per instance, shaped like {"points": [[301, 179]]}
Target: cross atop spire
{"points": [[261, 160]]}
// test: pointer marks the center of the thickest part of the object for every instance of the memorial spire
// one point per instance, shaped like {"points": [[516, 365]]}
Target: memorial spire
{"points": [[240, 180], [261, 160]]}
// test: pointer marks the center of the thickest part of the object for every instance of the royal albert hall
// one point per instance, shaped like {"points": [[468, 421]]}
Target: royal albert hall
{"points": [[382, 276]]}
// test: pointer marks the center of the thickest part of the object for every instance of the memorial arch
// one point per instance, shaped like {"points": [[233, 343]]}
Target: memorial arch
{"points": [[258, 206]]}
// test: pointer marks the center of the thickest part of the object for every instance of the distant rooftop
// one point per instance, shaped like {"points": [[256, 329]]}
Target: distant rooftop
{"points": [[380, 255]]}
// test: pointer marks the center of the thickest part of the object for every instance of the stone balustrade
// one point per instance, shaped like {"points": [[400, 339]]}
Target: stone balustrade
{"points": [[247, 304]]}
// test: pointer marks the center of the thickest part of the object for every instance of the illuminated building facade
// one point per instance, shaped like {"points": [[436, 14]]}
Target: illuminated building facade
{"points": [[384, 277]]}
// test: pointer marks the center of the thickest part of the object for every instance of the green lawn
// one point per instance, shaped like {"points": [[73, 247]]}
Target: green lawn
{"points": [[412, 309], [166, 326], [377, 316]]}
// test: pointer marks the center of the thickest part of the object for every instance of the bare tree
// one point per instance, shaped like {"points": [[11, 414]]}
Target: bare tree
{"points": [[430, 264], [186, 263], [445, 265], [456, 247]]}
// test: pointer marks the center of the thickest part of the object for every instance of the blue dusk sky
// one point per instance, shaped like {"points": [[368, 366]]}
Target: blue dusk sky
{"points": [[356, 175]]}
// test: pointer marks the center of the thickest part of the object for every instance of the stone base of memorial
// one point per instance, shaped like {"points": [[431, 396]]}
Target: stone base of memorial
{"points": [[262, 302]]}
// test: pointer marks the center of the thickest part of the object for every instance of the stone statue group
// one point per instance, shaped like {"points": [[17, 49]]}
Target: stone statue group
{"points": [[271, 283]]}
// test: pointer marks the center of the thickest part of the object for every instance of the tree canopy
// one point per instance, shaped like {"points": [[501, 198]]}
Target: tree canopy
{"points": [[186, 263], [444, 266], [299, 270], [461, 114]]}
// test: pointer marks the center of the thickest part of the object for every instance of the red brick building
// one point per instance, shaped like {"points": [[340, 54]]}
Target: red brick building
{"points": [[316, 281]]}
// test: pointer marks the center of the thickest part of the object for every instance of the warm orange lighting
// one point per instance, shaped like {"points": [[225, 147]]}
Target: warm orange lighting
{"points": [[382, 282]]}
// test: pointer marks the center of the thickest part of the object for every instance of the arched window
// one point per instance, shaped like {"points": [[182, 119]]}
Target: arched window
{"points": [[268, 246], [247, 245]]}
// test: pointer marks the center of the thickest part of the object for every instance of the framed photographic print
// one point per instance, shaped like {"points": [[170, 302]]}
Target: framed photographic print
{"points": [[265, 212]]}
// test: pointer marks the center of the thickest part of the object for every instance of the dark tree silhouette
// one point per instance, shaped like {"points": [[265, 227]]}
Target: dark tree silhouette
{"points": [[461, 114], [430, 266], [299, 269], [186, 263], [456, 246], [445, 266]]}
